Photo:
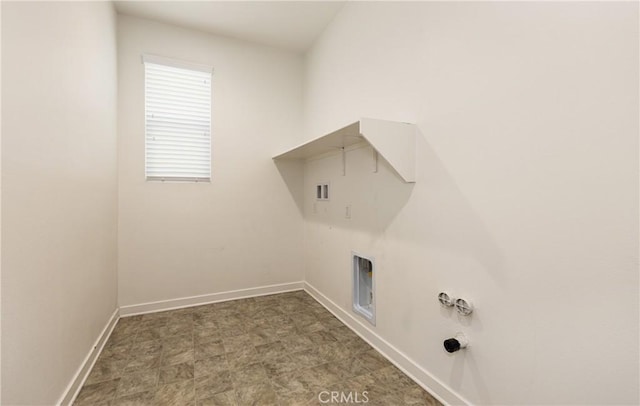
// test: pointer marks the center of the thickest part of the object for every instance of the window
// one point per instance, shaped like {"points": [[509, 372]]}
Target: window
{"points": [[177, 120]]}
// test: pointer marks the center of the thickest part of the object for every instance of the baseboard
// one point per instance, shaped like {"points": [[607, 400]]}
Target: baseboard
{"points": [[423, 378], [76, 383], [172, 304]]}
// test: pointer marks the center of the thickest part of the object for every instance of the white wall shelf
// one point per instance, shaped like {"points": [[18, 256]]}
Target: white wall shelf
{"points": [[394, 141]]}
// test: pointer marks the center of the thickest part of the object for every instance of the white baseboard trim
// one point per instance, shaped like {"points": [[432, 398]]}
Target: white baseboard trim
{"points": [[72, 390], [172, 304], [433, 385]]}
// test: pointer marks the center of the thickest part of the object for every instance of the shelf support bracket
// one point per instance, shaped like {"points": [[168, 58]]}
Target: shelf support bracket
{"points": [[344, 162]]}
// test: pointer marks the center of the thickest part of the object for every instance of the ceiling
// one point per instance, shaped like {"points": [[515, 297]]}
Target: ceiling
{"points": [[292, 25]]}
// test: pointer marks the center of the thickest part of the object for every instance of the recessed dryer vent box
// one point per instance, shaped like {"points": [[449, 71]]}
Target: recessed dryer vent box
{"points": [[322, 191], [364, 286]]}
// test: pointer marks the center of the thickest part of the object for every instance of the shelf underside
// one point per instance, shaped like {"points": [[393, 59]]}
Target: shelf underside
{"points": [[394, 141], [332, 142]]}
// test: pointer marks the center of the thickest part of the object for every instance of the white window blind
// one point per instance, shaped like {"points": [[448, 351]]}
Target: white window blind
{"points": [[177, 120]]}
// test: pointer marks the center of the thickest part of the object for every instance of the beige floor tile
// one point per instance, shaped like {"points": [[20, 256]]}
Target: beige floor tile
{"points": [[209, 385], [177, 393], [356, 345], [301, 381], [211, 365], [393, 377], [138, 399], [279, 349], [373, 361], [330, 322], [321, 337], [343, 333], [258, 395], [179, 342], [97, 393], [206, 334], [333, 352], [177, 355], [237, 343], [272, 350], [209, 349], [138, 362], [220, 399], [296, 398], [106, 369], [242, 358], [147, 347], [297, 342], [418, 396], [207, 321], [251, 374], [131, 384], [308, 358], [279, 366], [176, 373], [264, 335]]}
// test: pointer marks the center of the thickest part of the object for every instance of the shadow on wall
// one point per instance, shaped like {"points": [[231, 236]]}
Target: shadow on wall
{"points": [[465, 360], [293, 176], [361, 198], [432, 213], [440, 217]]}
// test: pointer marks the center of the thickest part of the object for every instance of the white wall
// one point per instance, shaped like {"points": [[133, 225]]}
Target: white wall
{"points": [[244, 228], [526, 201], [58, 192], [0, 222]]}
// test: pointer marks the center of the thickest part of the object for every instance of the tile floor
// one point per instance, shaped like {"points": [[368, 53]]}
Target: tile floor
{"points": [[283, 349]]}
